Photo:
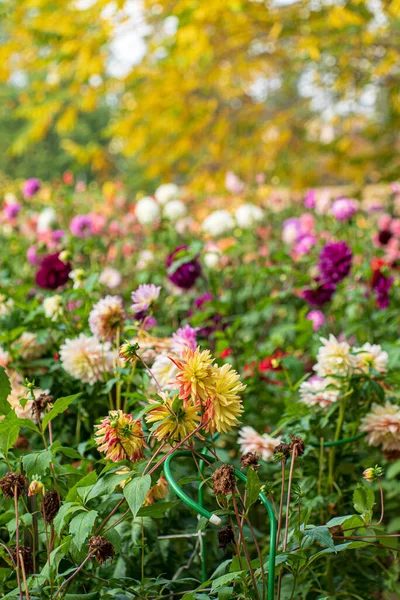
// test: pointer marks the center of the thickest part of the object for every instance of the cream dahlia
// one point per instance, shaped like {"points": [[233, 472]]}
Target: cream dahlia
{"points": [[371, 356], [318, 392], [251, 441], [334, 358], [382, 425], [86, 358], [107, 317]]}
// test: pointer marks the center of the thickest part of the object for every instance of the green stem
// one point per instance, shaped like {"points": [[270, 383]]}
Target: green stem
{"points": [[338, 431]]}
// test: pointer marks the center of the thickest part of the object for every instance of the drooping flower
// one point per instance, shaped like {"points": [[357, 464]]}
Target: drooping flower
{"points": [[224, 406], [81, 226], [318, 392], [317, 317], [30, 187], [52, 272], [334, 358], [110, 277], [371, 356], [120, 437], [196, 377], [262, 445], [335, 262], [86, 359], [187, 270], [382, 426], [172, 420], [36, 486], [343, 209], [158, 491], [184, 337], [107, 318], [164, 371], [145, 295], [320, 293], [53, 308], [373, 473]]}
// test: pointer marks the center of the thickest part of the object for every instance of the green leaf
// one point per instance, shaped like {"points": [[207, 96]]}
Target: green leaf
{"points": [[321, 535], [363, 500], [157, 510], [70, 452], [253, 487], [106, 485], [67, 509], [9, 430], [220, 581], [135, 492], [81, 526], [5, 389], [88, 480], [37, 463], [59, 407]]}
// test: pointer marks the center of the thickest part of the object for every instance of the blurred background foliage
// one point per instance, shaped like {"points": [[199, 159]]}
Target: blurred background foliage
{"points": [[305, 92]]}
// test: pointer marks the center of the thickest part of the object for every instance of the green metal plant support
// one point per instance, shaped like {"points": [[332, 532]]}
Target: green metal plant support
{"points": [[215, 520]]}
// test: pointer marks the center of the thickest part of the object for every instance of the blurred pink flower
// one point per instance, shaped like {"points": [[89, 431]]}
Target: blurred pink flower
{"points": [[233, 184]]}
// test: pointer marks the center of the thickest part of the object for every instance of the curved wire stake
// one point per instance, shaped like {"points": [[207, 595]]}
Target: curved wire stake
{"points": [[215, 520]]}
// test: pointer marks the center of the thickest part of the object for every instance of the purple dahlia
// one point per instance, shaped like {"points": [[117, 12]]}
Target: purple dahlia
{"points": [[30, 187], [321, 293], [187, 268], [52, 272], [381, 287], [335, 262]]}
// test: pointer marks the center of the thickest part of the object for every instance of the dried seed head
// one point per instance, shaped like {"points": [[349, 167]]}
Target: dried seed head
{"points": [[298, 442], [102, 548], [225, 537], [224, 480], [26, 554], [39, 405], [50, 506], [250, 459], [13, 483], [282, 451]]}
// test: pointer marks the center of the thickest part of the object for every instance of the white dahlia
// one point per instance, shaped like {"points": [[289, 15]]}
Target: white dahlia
{"points": [[371, 356], [53, 308], [318, 392], [248, 215], [218, 223], [110, 277], [107, 317], [86, 358], [147, 211], [334, 358], [164, 371], [166, 193]]}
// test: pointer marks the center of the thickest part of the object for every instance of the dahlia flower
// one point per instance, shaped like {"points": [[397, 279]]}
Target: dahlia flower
{"points": [[53, 308], [157, 492], [30, 187], [110, 277], [78, 276], [174, 210], [251, 441], [81, 226], [120, 437], [335, 262], [187, 271], [164, 371], [381, 287], [320, 293], [6, 306], [371, 356], [47, 219], [248, 215], [343, 209], [218, 223], [172, 420], [233, 184], [147, 211], [86, 359], [224, 405], [382, 425], [196, 377], [318, 392], [317, 317], [52, 272], [184, 337], [166, 192], [145, 295], [4, 357], [334, 358], [107, 318], [28, 346]]}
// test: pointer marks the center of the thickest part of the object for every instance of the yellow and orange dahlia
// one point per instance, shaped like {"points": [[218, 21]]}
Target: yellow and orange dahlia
{"points": [[120, 436]]}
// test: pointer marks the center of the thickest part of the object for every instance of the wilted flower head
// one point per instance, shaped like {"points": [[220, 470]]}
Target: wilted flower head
{"points": [[224, 406], [195, 379], [110, 277], [335, 262], [120, 437], [371, 356], [183, 268], [318, 392], [382, 425], [13, 484], [81, 226], [184, 337], [101, 548], [145, 295], [262, 445], [224, 481], [52, 272], [53, 308], [50, 505], [334, 358], [107, 318], [30, 187], [373, 473], [86, 359], [172, 420]]}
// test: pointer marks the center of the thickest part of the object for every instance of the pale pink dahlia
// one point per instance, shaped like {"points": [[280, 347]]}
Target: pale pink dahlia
{"points": [[184, 337], [107, 317], [318, 392], [144, 297], [86, 358], [382, 425], [119, 436], [251, 441]]}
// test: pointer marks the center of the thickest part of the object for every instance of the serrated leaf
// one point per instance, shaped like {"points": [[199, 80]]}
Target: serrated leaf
{"points": [[363, 500], [37, 463], [224, 579], [135, 492], [67, 509], [81, 526], [321, 535], [157, 510], [59, 407]]}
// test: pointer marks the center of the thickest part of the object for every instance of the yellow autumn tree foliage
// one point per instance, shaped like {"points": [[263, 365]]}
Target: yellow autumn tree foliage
{"points": [[303, 92]]}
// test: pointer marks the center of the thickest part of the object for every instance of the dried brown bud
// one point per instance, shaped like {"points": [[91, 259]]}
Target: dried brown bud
{"points": [[13, 483], [298, 442], [225, 537], [26, 554], [102, 548], [39, 405], [224, 480], [50, 506], [250, 459], [283, 450]]}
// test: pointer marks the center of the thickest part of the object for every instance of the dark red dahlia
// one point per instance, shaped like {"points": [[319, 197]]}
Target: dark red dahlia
{"points": [[319, 294], [52, 273], [187, 268], [335, 262]]}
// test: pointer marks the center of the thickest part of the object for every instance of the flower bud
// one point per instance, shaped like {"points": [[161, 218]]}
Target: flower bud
{"points": [[65, 256], [36, 487], [373, 473]]}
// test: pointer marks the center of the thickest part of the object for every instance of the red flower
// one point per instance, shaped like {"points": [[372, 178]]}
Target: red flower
{"points": [[273, 362], [225, 353], [52, 272]]}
